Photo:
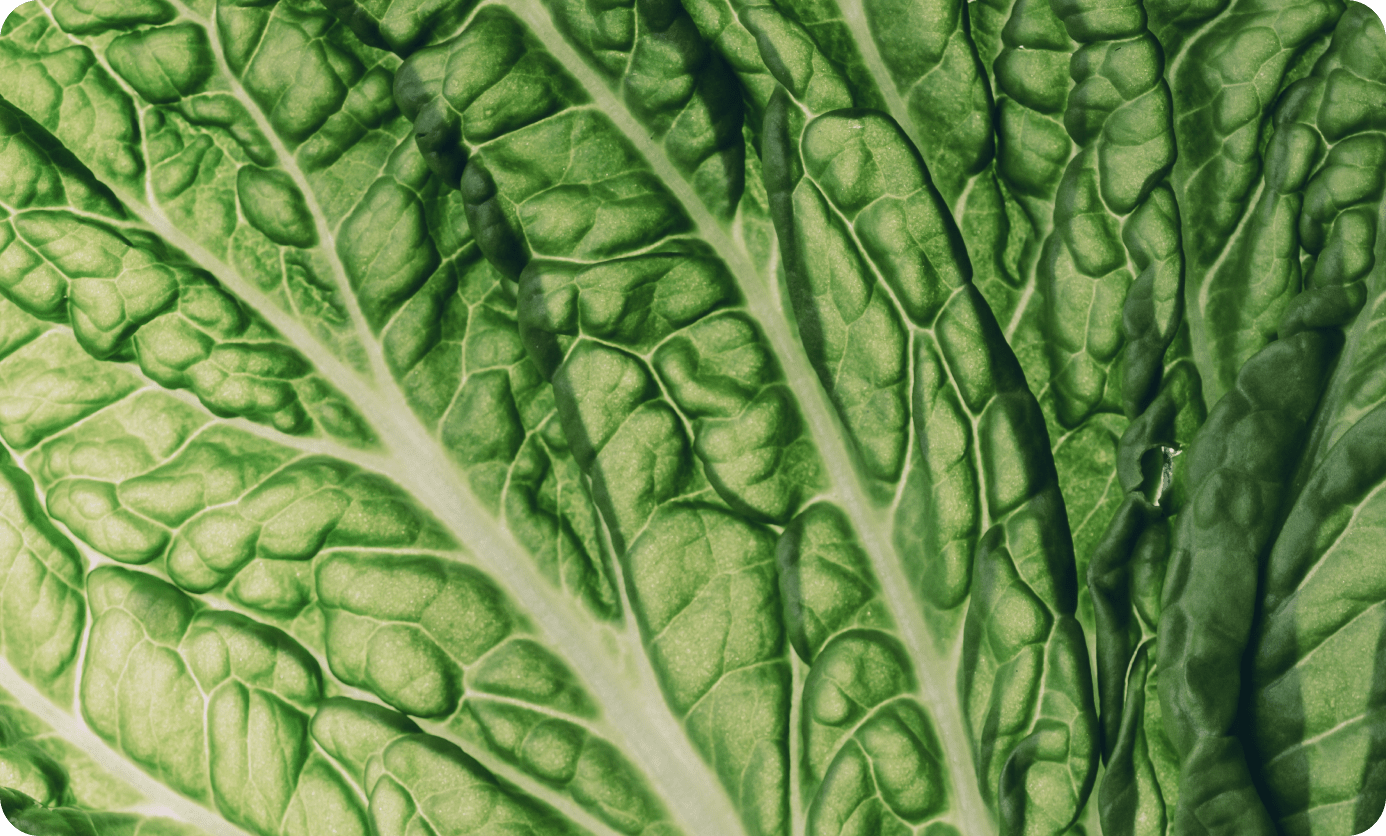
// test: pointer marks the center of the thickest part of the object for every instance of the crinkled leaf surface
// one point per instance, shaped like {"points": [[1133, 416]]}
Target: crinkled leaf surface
{"points": [[1238, 712], [434, 418]]}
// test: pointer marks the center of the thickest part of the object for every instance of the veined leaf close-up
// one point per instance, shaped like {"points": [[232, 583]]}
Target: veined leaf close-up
{"points": [[692, 418]]}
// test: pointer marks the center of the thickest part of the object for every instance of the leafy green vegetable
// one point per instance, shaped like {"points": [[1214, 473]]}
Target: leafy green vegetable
{"points": [[1210, 724], [664, 417], [30, 817]]}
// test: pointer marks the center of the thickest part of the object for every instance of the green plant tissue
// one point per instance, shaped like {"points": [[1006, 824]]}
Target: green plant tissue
{"points": [[692, 418]]}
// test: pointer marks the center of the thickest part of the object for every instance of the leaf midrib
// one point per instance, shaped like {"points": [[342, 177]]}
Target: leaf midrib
{"points": [[634, 708], [635, 717], [920, 639], [116, 763]]}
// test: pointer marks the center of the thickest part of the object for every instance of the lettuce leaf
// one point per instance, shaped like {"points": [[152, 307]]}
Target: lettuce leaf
{"points": [[538, 417]]}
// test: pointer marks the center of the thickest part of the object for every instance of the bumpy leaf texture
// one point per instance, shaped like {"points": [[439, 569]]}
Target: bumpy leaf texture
{"points": [[692, 417]]}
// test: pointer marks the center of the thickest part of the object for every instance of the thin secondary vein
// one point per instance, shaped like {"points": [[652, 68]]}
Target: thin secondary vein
{"points": [[326, 236], [639, 723], [824, 425], [481, 754], [75, 732], [854, 13]]}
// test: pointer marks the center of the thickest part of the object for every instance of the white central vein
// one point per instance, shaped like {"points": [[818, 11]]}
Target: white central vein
{"points": [[936, 670], [125, 769], [636, 715], [854, 15], [637, 719]]}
